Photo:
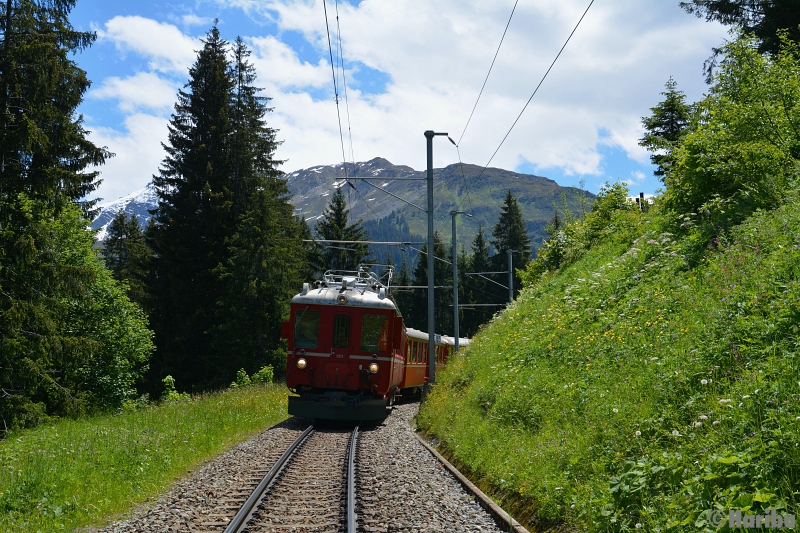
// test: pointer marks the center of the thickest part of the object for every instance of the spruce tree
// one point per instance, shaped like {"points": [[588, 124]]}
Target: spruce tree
{"points": [[228, 252], [334, 226], [127, 255], [193, 218], [69, 338], [664, 129], [478, 289], [510, 234], [443, 297], [403, 297]]}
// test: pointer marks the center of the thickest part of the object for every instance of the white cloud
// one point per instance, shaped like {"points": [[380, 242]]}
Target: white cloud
{"points": [[193, 20], [166, 47], [145, 90], [436, 56], [277, 64], [138, 154]]}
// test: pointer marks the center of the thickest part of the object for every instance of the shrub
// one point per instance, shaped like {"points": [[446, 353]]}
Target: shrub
{"points": [[264, 376]]}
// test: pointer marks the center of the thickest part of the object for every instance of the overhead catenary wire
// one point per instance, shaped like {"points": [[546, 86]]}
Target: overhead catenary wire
{"points": [[487, 74], [480, 175], [335, 87]]}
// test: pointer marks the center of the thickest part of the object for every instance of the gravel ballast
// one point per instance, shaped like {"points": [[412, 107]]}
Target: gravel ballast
{"points": [[401, 487]]}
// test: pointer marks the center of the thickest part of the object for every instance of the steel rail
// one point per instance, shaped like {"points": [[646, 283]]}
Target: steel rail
{"points": [[351, 483], [240, 520]]}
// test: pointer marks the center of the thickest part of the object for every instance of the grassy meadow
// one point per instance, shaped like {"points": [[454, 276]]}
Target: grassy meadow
{"points": [[646, 385], [77, 473]]}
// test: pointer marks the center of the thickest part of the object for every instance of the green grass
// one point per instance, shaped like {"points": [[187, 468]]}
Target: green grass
{"points": [[649, 383], [77, 473]]}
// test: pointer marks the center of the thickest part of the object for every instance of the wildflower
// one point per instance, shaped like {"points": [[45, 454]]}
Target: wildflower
{"points": [[639, 433], [615, 410], [697, 424], [725, 400], [675, 433], [703, 417], [716, 422], [638, 525], [746, 396], [704, 382], [756, 391]]}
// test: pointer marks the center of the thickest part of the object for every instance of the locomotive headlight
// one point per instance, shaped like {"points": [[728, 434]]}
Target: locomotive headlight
{"points": [[373, 368], [342, 299], [301, 363]]}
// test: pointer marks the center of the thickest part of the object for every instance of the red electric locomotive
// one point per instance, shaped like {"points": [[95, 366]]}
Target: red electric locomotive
{"points": [[349, 351]]}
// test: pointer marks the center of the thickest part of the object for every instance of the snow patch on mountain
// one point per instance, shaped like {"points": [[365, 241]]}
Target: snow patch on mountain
{"points": [[137, 203]]}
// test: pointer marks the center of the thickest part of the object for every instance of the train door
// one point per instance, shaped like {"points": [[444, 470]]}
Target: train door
{"points": [[337, 372]]}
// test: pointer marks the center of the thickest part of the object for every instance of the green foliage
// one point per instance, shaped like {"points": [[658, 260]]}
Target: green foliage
{"points": [[571, 237], [510, 234], [242, 379], [742, 148], [77, 474], [127, 255], [264, 376], [169, 393], [640, 384], [335, 225], [227, 249], [416, 315], [664, 129], [763, 20], [70, 340]]}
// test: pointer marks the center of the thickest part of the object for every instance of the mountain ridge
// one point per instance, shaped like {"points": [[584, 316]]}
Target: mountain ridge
{"points": [[471, 188]]}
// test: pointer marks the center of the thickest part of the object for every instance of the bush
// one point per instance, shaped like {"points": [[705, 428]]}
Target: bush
{"points": [[264, 376], [242, 380], [170, 394]]}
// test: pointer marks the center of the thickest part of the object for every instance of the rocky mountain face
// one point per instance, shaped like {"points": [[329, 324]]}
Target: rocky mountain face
{"points": [[311, 189]]}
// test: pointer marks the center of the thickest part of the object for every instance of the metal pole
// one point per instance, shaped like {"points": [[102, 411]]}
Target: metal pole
{"points": [[510, 276], [455, 284], [431, 322]]}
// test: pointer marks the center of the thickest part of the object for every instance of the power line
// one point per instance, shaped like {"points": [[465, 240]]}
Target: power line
{"points": [[344, 84], [335, 88], [487, 74], [528, 102]]}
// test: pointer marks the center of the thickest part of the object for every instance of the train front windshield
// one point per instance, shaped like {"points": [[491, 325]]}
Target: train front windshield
{"points": [[306, 329], [374, 333]]}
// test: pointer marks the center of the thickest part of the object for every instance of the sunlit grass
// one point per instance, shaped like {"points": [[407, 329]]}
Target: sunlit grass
{"points": [[636, 388], [77, 473]]}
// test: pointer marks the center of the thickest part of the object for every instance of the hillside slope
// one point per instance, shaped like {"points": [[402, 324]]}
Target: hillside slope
{"points": [[649, 384]]}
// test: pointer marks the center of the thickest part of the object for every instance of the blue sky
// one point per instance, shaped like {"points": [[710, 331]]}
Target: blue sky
{"points": [[410, 66]]}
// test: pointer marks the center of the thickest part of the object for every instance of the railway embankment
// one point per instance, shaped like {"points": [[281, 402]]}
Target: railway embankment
{"points": [[651, 382]]}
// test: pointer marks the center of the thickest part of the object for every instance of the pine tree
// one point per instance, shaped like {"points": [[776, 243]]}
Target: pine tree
{"points": [[69, 338], [762, 19], [664, 129], [478, 289], [228, 250], [443, 297], [334, 226], [510, 234], [314, 262], [403, 297], [127, 255], [193, 218]]}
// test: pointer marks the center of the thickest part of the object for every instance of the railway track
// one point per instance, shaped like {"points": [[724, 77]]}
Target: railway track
{"points": [[310, 488]]}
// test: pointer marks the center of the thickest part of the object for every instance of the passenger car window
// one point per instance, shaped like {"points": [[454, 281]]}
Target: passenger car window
{"points": [[341, 331], [374, 333], [306, 329]]}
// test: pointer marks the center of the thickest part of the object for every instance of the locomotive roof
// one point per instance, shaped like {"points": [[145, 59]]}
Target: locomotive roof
{"points": [[444, 339], [357, 296]]}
